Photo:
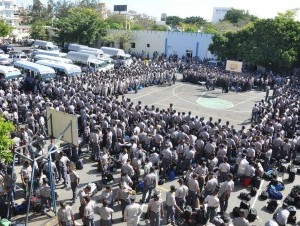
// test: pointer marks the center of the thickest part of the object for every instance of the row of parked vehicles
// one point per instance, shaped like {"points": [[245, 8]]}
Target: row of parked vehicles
{"points": [[44, 61]]}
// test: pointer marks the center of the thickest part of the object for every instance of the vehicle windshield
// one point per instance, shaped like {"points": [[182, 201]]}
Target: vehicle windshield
{"points": [[74, 74], [48, 76]]}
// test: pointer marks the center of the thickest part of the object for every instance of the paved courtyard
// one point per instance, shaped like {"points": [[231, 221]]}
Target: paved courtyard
{"points": [[233, 107]]}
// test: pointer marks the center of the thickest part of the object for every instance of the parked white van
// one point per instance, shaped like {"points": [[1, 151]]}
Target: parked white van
{"points": [[47, 57], [88, 61], [118, 55], [49, 53], [45, 45]]}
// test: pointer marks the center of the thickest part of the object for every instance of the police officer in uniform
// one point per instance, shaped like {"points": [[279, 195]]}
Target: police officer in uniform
{"points": [[150, 182], [105, 213], [82, 194], [63, 163], [74, 179], [65, 215], [180, 195], [45, 193], [171, 205], [132, 212], [155, 210], [88, 217], [123, 195], [26, 176]]}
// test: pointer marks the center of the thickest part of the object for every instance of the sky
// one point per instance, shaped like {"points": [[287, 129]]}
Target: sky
{"points": [[203, 8]]}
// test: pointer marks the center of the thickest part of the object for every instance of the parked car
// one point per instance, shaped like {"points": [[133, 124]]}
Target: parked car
{"points": [[18, 56], [7, 48]]}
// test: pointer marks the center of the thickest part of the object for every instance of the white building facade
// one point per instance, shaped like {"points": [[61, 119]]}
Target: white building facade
{"points": [[219, 14], [7, 12], [167, 42]]}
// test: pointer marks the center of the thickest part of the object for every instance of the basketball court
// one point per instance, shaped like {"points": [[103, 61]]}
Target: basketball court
{"points": [[233, 107]]}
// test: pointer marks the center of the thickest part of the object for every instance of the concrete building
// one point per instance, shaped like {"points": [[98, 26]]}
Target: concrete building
{"points": [[219, 14], [7, 12], [167, 42]]}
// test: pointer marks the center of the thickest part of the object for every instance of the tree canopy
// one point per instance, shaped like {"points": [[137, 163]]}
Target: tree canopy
{"points": [[236, 15], [81, 25], [272, 43], [38, 31], [5, 29], [6, 127]]}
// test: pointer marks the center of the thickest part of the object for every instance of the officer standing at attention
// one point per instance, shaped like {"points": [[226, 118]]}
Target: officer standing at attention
{"points": [[123, 195], [45, 193], [212, 205], [171, 205], [63, 163], [88, 217], [180, 195], [132, 212], [82, 194], [74, 179], [150, 183], [105, 213], [65, 215], [155, 210]]}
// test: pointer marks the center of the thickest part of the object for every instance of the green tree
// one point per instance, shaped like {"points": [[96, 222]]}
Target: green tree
{"points": [[194, 20], [142, 23], [5, 29], [226, 26], [6, 127], [62, 7], [38, 10], [236, 15], [116, 21], [38, 31], [272, 43], [173, 20], [156, 27], [81, 25], [120, 37]]}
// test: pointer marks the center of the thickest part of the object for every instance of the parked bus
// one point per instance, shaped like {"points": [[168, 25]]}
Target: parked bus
{"points": [[47, 57], [89, 62], [76, 47], [45, 45], [62, 69], [97, 52], [9, 72], [32, 71], [118, 55], [49, 53]]}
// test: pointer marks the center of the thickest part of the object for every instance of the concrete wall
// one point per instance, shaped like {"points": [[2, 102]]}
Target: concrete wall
{"points": [[168, 42], [179, 42], [155, 39]]}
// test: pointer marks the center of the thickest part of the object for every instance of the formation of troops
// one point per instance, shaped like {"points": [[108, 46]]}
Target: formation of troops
{"points": [[150, 144]]}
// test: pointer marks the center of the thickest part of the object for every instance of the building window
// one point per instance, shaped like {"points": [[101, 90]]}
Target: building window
{"points": [[132, 45], [7, 5], [148, 45]]}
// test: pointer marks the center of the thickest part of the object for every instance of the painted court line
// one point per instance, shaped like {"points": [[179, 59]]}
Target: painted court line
{"points": [[244, 101], [159, 187], [157, 91], [257, 194], [203, 93], [200, 113]]}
